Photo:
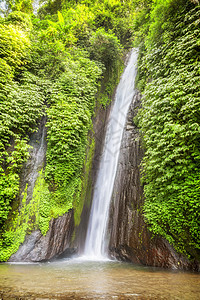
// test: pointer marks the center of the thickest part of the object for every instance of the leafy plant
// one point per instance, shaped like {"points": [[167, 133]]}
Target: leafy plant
{"points": [[170, 127]]}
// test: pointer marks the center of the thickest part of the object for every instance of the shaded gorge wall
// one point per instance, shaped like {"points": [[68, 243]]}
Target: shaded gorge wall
{"points": [[130, 239]]}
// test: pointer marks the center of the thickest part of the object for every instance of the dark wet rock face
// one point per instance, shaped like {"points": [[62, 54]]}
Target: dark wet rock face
{"points": [[36, 161], [130, 239], [37, 247]]}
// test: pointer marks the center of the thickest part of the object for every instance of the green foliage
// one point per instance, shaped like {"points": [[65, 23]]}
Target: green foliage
{"points": [[19, 19], [85, 189], [14, 232], [20, 106], [116, 16], [162, 18], [141, 20], [18, 5], [14, 46], [9, 190], [6, 72], [82, 17], [105, 47], [78, 22], [41, 198], [69, 119], [170, 125]]}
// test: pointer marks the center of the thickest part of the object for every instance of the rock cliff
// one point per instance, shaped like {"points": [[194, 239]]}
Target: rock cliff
{"points": [[130, 239], [37, 247]]}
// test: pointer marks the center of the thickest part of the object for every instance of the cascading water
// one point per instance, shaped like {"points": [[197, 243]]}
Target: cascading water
{"points": [[95, 244]]}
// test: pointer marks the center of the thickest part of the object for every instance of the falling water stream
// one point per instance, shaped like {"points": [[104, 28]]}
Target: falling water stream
{"points": [[96, 242]]}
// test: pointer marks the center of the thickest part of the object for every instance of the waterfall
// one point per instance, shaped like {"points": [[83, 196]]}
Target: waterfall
{"points": [[96, 238]]}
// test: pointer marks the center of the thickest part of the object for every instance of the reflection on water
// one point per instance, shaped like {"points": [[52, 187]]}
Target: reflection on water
{"points": [[78, 279]]}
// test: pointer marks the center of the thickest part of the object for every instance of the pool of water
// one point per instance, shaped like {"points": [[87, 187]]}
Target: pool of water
{"points": [[79, 279]]}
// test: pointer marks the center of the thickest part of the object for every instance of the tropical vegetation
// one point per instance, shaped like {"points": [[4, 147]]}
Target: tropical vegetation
{"points": [[62, 60], [169, 120]]}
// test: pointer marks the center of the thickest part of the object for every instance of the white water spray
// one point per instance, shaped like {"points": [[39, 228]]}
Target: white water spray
{"points": [[96, 243]]}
